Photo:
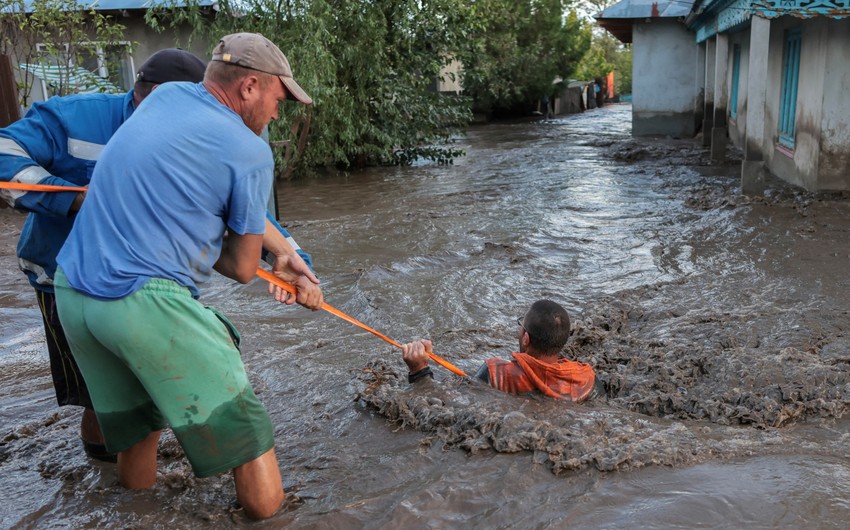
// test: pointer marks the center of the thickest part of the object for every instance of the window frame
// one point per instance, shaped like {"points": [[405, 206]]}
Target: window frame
{"points": [[736, 78], [793, 40], [102, 70]]}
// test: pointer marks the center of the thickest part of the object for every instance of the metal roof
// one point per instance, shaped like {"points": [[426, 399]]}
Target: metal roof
{"points": [[618, 18]]}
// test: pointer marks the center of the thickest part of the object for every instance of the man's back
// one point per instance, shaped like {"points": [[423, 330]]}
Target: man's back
{"points": [[157, 210]]}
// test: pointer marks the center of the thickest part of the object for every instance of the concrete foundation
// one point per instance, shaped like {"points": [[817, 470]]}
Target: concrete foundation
{"points": [[753, 177], [675, 125], [719, 139]]}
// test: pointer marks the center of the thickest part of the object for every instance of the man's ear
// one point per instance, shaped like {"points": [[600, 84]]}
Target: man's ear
{"points": [[249, 87], [526, 340], [153, 87]]}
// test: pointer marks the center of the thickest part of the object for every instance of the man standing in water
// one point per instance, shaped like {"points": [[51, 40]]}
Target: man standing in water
{"points": [[194, 182], [58, 143], [542, 334]]}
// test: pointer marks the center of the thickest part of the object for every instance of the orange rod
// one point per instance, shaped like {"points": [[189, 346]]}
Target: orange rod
{"points": [[261, 273], [264, 274], [38, 187]]}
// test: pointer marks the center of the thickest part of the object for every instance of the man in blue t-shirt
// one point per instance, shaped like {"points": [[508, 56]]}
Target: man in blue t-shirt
{"points": [[181, 190]]}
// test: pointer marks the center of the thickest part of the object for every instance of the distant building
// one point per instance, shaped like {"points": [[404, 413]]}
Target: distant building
{"points": [[112, 66], [665, 60], [772, 77]]}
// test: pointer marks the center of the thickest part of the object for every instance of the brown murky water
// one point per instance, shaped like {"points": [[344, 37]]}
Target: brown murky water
{"points": [[719, 325]]}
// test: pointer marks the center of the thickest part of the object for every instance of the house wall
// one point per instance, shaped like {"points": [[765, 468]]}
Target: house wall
{"points": [[800, 165], [145, 42], [778, 160], [663, 92], [738, 125], [834, 154]]}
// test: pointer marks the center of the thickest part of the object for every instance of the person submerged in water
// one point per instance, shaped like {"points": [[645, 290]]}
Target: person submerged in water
{"points": [[538, 366]]}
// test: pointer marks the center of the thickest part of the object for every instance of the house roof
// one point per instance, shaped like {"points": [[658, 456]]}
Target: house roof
{"points": [[619, 18], [107, 5]]}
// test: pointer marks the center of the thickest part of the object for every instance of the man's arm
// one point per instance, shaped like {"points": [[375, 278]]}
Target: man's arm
{"points": [[240, 255], [289, 266], [27, 147], [304, 255], [415, 356]]}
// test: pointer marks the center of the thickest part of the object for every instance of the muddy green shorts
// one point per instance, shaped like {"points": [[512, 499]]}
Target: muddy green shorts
{"points": [[158, 357]]}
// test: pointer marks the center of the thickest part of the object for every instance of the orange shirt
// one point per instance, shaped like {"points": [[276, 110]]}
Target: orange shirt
{"points": [[563, 379]]}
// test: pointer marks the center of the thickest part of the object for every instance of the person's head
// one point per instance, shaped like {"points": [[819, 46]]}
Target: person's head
{"points": [[170, 64], [256, 75], [544, 329]]}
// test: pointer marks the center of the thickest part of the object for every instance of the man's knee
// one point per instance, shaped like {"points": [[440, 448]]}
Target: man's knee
{"points": [[258, 486]]}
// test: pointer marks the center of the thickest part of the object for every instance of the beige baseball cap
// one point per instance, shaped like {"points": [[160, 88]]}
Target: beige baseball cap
{"points": [[252, 50]]}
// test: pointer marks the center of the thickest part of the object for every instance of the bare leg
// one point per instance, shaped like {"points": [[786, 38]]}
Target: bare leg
{"points": [[90, 429], [258, 486], [137, 465]]}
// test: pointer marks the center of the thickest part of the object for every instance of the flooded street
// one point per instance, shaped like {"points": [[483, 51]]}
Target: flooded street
{"points": [[719, 324]]}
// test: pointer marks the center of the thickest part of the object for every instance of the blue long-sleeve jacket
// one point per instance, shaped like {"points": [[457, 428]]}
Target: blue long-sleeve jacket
{"points": [[58, 143]]}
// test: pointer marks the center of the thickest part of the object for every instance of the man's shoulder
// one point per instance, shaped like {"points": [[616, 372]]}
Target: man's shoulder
{"points": [[81, 109]]}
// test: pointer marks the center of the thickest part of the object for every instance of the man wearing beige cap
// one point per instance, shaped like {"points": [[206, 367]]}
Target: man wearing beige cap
{"points": [[194, 182]]}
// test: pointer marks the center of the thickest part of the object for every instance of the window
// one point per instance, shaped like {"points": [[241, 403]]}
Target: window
{"points": [[790, 76], [99, 68], [736, 74]]}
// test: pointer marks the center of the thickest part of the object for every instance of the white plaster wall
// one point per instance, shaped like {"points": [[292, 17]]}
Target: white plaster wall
{"points": [[834, 157], [663, 56], [777, 161], [810, 92], [801, 166]]}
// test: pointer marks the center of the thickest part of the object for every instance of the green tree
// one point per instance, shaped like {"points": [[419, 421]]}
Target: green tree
{"points": [[55, 37], [519, 48], [608, 54], [369, 67]]}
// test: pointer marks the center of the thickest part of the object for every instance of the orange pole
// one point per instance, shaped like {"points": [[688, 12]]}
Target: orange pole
{"points": [[262, 274], [38, 187], [266, 275]]}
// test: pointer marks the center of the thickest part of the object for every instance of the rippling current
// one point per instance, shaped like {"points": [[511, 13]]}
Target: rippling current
{"points": [[718, 324]]}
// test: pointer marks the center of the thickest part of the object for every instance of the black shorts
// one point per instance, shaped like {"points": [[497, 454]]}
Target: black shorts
{"points": [[67, 380]]}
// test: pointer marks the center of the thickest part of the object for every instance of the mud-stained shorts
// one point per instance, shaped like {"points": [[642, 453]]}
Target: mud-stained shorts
{"points": [[158, 357]]}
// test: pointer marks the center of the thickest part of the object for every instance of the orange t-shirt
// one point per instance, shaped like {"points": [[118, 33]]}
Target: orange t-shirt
{"points": [[562, 379]]}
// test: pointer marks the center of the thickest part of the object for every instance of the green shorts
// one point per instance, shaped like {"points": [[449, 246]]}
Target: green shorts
{"points": [[158, 357]]}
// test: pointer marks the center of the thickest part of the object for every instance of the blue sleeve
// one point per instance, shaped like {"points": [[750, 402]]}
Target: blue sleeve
{"points": [[28, 149], [247, 201], [483, 373], [304, 255]]}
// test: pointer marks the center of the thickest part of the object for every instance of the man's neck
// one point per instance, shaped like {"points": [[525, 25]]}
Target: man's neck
{"points": [[543, 357], [223, 95]]}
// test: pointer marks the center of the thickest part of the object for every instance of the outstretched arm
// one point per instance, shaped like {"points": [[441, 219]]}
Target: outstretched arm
{"points": [[289, 266], [27, 148], [304, 255], [415, 356]]}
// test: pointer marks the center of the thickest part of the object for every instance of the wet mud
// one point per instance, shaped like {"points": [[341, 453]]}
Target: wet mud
{"points": [[718, 324], [762, 349]]}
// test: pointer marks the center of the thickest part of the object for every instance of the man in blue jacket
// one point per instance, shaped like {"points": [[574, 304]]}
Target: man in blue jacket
{"points": [[58, 142]]}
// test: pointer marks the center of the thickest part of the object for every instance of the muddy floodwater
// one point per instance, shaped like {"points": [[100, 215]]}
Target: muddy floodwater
{"points": [[719, 325]]}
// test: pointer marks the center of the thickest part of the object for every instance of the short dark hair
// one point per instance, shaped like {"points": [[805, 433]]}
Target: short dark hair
{"points": [[143, 89], [548, 326], [227, 74]]}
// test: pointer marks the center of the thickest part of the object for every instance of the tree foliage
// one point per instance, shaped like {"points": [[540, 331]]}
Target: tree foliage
{"points": [[371, 66], [54, 35], [368, 67], [608, 54], [518, 48]]}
